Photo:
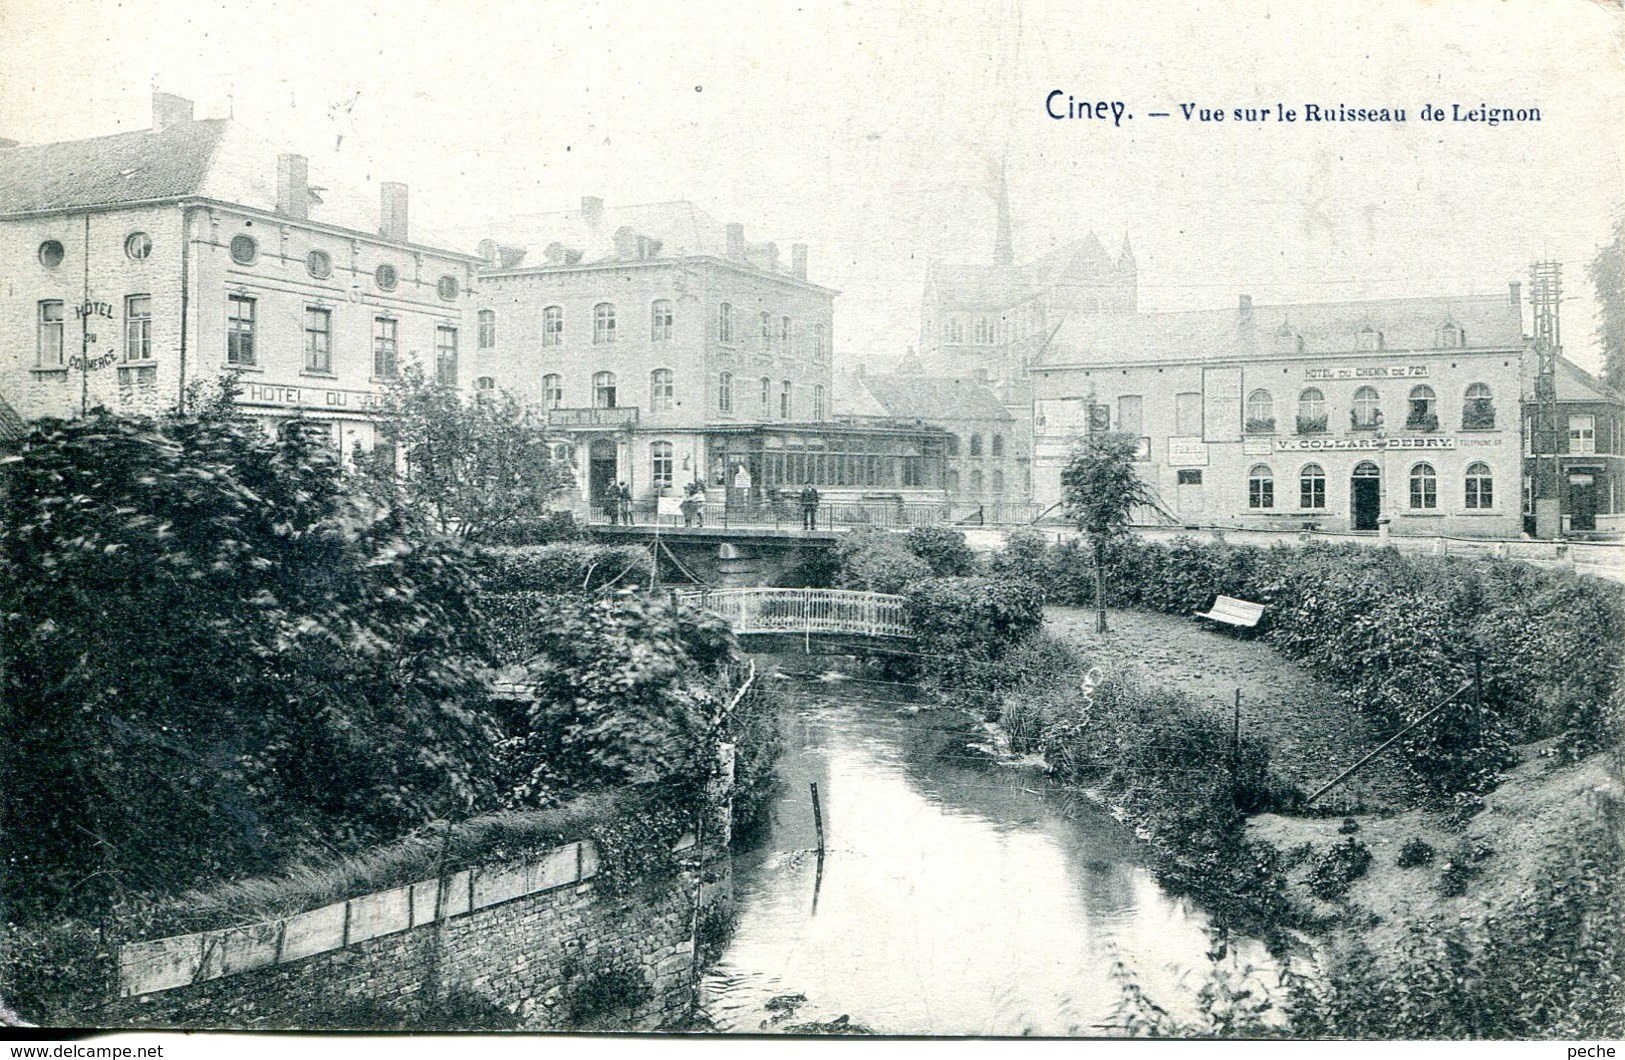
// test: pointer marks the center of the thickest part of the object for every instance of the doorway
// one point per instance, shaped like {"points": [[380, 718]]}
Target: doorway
{"points": [[1582, 502], [1365, 495], [600, 470]]}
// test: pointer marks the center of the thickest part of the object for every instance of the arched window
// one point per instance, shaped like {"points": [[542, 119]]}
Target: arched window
{"points": [[765, 329], [725, 323], [984, 331], [488, 328], [1367, 414], [1260, 411], [1424, 487], [767, 397], [785, 333], [953, 481], [820, 349], [660, 319], [553, 326], [1261, 487], [661, 470], [976, 482], [603, 323], [552, 391], [785, 404], [662, 390], [1422, 412], [1312, 487], [953, 445], [975, 445], [603, 390], [1452, 335], [996, 446], [1368, 339], [725, 392], [1478, 410], [956, 331], [1480, 486], [998, 482], [1311, 411], [818, 402]]}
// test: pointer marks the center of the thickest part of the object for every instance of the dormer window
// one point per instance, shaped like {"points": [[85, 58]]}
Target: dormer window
{"points": [[1451, 336], [1287, 340], [1368, 339]]}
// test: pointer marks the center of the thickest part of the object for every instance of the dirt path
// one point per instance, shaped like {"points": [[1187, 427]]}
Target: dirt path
{"points": [[1314, 733]]}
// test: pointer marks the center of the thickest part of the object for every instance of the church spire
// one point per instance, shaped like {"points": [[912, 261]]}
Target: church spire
{"points": [[1004, 253]]}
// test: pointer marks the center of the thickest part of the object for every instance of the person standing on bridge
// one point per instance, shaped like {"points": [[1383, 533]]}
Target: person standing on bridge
{"points": [[809, 507], [623, 497]]}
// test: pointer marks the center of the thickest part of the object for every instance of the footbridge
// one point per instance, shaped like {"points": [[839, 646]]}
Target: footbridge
{"points": [[828, 614]]}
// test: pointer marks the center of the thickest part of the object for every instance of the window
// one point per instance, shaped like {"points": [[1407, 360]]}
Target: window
{"points": [[1424, 487], [385, 277], [1312, 487], [725, 323], [765, 329], [603, 323], [319, 264], [662, 390], [445, 355], [784, 333], [660, 321], [1368, 339], [660, 465], [820, 349], [137, 246], [954, 331], [1478, 410], [998, 482], [447, 288], [953, 445], [383, 347], [1260, 411], [552, 391], [953, 481], [138, 327], [603, 390], [244, 251], [240, 329], [1260, 487], [725, 392], [1187, 414], [1480, 487], [1130, 414], [485, 384], [130, 376], [1451, 335], [996, 446], [488, 329], [51, 253], [976, 445], [1311, 411], [976, 482], [784, 400], [818, 402], [1367, 412], [1421, 414], [553, 326], [50, 334], [1582, 434], [318, 339], [1188, 477], [983, 335]]}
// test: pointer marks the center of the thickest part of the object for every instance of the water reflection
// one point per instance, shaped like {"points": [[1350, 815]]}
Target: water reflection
{"points": [[956, 897]]}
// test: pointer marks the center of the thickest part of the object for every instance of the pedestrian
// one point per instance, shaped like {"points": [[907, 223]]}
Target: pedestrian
{"points": [[809, 507], [611, 501], [694, 504], [625, 496]]}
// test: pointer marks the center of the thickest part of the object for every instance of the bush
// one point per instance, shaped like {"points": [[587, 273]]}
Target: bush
{"points": [[1414, 853], [1464, 866], [563, 567], [966, 625], [1335, 871], [877, 561], [943, 549], [544, 529]]}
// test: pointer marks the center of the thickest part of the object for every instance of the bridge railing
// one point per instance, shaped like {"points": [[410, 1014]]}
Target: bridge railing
{"points": [[786, 514], [844, 611]]}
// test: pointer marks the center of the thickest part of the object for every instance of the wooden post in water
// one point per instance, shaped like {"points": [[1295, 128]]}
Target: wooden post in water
{"points": [[818, 817]]}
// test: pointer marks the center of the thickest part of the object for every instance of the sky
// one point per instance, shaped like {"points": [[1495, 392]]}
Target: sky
{"points": [[869, 130]]}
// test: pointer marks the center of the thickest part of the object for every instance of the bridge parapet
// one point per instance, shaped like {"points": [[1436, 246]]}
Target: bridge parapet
{"points": [[845, 612]]}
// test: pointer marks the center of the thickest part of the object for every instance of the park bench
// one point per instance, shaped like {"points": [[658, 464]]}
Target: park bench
{"points": [[1234, 612]]}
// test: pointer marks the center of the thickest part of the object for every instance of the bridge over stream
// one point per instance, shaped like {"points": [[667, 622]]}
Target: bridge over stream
{"points": [[836, 617]]}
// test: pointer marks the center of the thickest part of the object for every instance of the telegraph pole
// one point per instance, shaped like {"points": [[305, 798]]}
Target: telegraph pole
{"points": [[1545, 296]]}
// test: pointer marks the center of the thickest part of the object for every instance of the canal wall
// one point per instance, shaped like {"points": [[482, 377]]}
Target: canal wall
{"points": [[543, 940]]}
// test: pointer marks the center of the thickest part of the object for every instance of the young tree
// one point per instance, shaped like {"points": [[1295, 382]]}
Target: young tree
{"points": [[1607, 273], [472, 467], [1100, 489]]}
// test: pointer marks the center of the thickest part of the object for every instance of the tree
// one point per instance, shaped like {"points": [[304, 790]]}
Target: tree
{"points": [[1607, 273], [472, 468], [1100, 490]]}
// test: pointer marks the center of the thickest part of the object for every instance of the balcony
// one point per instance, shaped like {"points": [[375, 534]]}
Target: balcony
{"points": [[1422, 421], [1312, 424], [1260, 426], [616, 416]]}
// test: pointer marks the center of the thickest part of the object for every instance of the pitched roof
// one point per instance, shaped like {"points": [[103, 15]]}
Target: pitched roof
{"points": [[126, 167], [985, 286], [1490, 322], [934, 398], [12, 426], [1576, 384]]}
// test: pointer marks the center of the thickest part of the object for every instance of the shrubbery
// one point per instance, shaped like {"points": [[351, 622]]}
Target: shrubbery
{"points": [[880, 561], [965, 626], [563, 567], [1336, 870]]}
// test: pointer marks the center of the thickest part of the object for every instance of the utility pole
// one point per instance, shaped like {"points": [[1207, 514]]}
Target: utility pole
{"points": [[1545, 297]]}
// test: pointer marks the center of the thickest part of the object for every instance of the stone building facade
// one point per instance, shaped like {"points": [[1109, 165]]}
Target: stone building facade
{"points": [[141, 263]]}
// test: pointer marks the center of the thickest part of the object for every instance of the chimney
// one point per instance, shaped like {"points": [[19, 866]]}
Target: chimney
{"points": [[168, 109], [1516, 289], [736, 241], [798, 260], [5, 143], [772, 252], [293, 187], [1244, 305], [592, 210], [392, 211]]}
